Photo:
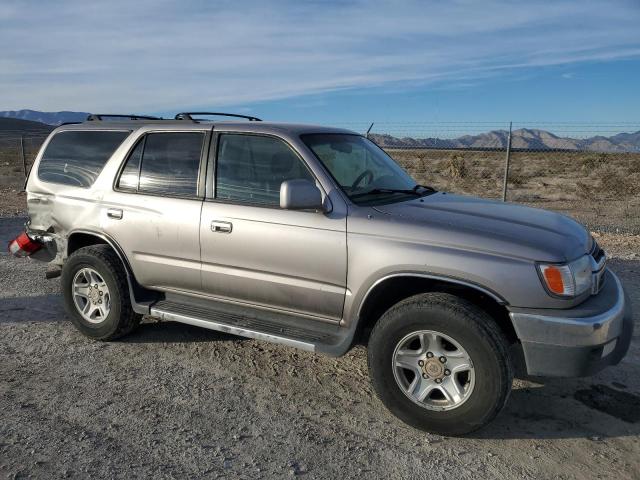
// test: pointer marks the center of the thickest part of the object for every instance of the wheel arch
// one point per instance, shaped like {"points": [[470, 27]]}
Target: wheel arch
{"points": [[391, 289], [141, 298]]}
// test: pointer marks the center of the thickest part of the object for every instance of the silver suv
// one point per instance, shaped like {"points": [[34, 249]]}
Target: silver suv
{"points": [[315, 238]]}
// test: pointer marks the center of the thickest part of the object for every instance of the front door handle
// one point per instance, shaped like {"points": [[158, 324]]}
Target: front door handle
{"points": [[115, 213], [221, 227]]}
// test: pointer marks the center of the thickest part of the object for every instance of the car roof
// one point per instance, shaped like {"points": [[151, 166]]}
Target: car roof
{"points": [[239, 126]]}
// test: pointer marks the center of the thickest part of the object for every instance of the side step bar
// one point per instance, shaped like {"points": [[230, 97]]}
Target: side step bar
{"points": [[245, 322]]}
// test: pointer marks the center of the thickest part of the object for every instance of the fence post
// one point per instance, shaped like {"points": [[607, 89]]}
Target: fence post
{"points": [[506, 165], [369, 130], [24, 157]]}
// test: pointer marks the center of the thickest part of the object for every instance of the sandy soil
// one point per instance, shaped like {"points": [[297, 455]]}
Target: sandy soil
{"points": [[173, 401]]}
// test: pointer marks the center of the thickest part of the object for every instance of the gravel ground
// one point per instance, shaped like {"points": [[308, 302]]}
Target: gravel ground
{"points": [[173, 401]]}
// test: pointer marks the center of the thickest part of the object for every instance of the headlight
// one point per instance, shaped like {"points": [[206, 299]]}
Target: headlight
{"points": [[569, 280]]}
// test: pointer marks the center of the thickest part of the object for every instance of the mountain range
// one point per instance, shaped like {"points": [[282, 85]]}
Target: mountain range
{"points": [[523, 138], [50, 118]]}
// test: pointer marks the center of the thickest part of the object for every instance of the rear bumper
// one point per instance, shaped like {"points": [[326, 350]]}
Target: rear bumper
{"points": [[578, 341]]}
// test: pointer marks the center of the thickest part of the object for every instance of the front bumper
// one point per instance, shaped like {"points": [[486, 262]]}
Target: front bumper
{"points": [[578, 341]]}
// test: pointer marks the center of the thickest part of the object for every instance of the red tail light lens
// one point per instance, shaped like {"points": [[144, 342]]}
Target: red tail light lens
{"points": [[23, 245]]}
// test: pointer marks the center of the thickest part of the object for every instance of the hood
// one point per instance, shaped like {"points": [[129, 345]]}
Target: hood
{"points": [[492, 226]]}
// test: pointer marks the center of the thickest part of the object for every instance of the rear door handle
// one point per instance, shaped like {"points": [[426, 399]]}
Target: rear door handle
{"points": [[115, 213], [221, 227]]}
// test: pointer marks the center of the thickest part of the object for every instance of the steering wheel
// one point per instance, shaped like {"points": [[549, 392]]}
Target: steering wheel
{"points": [[366, 174]]}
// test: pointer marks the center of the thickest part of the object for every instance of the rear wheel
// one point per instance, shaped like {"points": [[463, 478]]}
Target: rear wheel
{"points": [[440, 364], [96, 293]]}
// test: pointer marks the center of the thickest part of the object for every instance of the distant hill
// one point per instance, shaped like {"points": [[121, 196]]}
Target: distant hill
{"points": [[50, 118], [524, 138], [17, 126]]}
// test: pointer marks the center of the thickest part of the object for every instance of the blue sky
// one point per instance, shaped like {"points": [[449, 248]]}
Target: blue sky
{"points": [[327, 62]]}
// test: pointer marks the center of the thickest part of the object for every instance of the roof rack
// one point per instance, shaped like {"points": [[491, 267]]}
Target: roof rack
{"points": [[96, 117], [189, 116]]}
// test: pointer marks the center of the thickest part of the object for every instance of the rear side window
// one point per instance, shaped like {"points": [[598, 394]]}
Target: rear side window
{"points": [[77, 158], [164, 164]]}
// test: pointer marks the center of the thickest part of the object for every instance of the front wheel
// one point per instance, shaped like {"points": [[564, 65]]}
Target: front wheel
{"points": [[440, 364]]}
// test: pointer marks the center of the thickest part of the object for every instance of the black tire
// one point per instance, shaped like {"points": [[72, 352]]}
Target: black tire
{"points": [[121, 318], [468, 325]]}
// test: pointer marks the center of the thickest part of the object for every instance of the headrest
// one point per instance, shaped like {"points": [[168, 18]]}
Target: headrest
{"points": [[281, 162]]}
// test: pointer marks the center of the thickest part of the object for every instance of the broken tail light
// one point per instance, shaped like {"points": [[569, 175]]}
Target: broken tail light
{"points": [[23, 245]]}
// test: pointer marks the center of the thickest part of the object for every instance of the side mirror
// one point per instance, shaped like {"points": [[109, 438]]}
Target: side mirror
{"points": [[300, 194]]}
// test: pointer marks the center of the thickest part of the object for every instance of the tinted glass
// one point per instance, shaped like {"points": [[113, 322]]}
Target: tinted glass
{"points": [[251, 168], [129, 176], [77, 158], [170, 163]]}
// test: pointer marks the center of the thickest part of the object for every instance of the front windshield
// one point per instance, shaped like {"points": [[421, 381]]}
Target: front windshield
{"points": [[363, 170]]}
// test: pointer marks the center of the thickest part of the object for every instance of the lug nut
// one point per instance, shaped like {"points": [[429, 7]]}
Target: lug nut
{"points": [[443, 359], [447, 372], [421, 363], [99, 301], [424, 375], [438, 380], [429, 355], [96, 285], [101, 293]]}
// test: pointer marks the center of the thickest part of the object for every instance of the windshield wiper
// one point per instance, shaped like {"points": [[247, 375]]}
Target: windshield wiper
{"points": [[379, 191], [414, 191], [425, 187]]}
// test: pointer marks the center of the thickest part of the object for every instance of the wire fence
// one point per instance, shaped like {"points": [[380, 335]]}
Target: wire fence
{"points": [[590, 171], [17, 152]]}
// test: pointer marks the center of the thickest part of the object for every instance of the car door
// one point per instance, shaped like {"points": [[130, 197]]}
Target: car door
{"points": [[154, 210], [255, 252]]}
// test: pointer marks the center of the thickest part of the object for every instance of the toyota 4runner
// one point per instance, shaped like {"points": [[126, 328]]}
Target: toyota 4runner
{"points": [[315, 238]]}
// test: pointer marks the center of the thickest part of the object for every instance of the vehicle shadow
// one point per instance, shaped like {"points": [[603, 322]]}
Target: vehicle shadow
{"points": [[567, 408], [154, 331], [49, 309]]}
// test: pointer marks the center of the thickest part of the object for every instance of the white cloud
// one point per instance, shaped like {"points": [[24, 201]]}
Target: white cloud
{"points": [[153, 55]]}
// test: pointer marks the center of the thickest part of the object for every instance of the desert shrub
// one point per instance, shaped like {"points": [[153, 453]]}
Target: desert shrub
{"points": [[456, 167], [486, 173], [584, 190], [516, 179], [621, 186], [594, 162], [633, 166]]}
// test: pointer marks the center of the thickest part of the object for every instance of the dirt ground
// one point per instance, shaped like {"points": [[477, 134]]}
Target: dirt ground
{"points": [[173, 401]]}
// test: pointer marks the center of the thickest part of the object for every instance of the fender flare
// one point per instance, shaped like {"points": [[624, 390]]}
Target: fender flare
{"points": [[141, 298], [429, 276]]}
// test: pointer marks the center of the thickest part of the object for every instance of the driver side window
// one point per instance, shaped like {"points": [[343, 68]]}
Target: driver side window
{"points": [[251, 168]]}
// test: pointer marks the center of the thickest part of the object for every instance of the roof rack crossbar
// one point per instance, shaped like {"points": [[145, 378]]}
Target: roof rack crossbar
{"points": [[96, 117], [189, 116]]}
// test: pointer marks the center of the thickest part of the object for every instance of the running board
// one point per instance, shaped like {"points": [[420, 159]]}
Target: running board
{"points": [[247, 322]]}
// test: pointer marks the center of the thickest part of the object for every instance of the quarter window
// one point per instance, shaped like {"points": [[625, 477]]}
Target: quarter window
{"points": [[77, 158], [131, 173], [168, 164], [251, 168]]}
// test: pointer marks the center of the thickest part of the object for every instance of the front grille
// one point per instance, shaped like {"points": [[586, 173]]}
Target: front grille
{"points": [[598, 265], [596, 252]]}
